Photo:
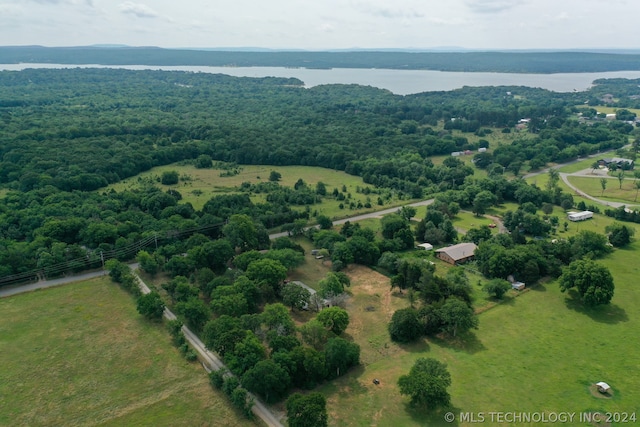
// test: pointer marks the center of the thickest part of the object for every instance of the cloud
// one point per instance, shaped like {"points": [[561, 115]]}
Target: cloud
{"points": [[492, 6], [387, 12], [138, 9]]}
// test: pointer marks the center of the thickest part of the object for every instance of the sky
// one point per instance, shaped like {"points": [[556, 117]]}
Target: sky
{"points": [[323, 24]]}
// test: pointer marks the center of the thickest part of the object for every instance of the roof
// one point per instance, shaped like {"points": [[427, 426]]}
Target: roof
{"points": [[459, 251], [616, 160], [603, 385], [426, 246]]}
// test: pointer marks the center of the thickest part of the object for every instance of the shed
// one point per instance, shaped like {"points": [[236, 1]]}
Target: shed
{"points": [[426, 246], [579, 216], [518, 286], [457, 254], [482, 149], [603, 387]]}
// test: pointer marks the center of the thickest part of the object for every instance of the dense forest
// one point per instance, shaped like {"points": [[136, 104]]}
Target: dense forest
{"points": [[67, 133], [504, 62]]}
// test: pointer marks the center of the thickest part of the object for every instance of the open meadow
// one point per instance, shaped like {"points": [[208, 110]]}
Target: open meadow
{"points": [[627, 193], [197, 186], [81, 355], [538, 351]]}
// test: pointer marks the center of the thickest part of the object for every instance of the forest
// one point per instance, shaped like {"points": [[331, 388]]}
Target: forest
{"points": [[66, 134], [502, 62]]}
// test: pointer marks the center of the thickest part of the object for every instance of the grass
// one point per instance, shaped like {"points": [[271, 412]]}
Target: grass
{"points": [[539, 352], [612, 110], [80, 354], [203, 184], [592, 186]]}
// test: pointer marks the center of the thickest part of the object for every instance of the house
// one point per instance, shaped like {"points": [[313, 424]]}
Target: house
{"points": [[603, 387], [579, 216], [457, 254], [619, 162], [426, 246]]}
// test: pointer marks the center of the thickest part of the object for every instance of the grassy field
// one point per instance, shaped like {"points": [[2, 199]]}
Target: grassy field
{"points": [[80, 355], [625, 194], [612, 110], [202, 184], [539, 352]]}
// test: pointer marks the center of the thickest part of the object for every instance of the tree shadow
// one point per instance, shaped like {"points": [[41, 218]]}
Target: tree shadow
{"points": [[609, 313], [467, 342], [419, 346], [433, 417]]}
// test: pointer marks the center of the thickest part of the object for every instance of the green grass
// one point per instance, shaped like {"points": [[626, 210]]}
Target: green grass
{"points": [[80, 354], [203, 184], [465, 221], [612, 110], [538, 352], [613, 192], [581, 165]]}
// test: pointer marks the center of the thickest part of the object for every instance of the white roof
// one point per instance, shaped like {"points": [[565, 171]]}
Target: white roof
{"points": [[603, 385], [426, 246]]}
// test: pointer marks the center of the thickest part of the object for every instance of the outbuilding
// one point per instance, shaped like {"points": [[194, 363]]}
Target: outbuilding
{"points": [[603, 387], [426, 246], [579, 216]]}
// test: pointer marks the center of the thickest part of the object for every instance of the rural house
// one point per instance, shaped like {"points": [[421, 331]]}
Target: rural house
{"points": [[457, 254], [617, 162]]}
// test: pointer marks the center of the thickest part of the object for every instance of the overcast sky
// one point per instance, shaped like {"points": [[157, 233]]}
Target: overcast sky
{"points": [[323, 24]]}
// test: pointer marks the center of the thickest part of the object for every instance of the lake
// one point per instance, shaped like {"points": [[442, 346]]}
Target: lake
{"points": [[401, 82]]}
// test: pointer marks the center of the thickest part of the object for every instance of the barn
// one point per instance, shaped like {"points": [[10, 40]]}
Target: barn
{"points": [[457, 254]]}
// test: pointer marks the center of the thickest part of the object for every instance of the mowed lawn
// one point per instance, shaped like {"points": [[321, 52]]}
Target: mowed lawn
{"points": [[613, 191], [81, 355], [539, 352]]}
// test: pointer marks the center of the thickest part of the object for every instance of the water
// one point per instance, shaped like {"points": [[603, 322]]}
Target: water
{"points": [[401, 82]]}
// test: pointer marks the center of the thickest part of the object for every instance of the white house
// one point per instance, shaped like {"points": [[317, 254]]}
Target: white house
{"points": [[579, 216]]}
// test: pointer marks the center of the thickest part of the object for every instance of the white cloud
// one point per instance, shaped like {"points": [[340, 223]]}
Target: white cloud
{"points": [[492, 6], [138, 9]]}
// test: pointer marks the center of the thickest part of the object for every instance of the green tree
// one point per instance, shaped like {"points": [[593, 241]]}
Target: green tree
{"points": [[457, 316], [483, 201], [276, 318], [295, 296], [204, 161], [335, 319], [620, 176], [592, 280], [268, 380], [315, 334], [308, 410], [405, 325], [275, 176], [497, 287], [603, 185], [324, 222], [331, 285], [245, 354], [150, 305], [340, 355], [148, 263], [321, 188], [268, 272], [426, 383], [619, 234], [195, 312], [554, 177], [169, 178], [241, 232]]}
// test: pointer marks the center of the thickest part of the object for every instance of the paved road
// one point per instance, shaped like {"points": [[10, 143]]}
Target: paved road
{"points": [[356, 218], [14, 290], [580, 193], [213, 362]]}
